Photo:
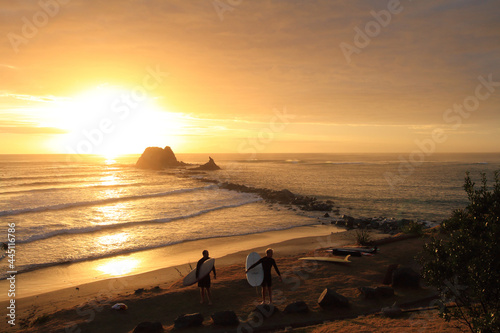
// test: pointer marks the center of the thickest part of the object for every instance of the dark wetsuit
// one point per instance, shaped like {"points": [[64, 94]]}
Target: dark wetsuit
{"points": [[204, 282], [267, 263]]}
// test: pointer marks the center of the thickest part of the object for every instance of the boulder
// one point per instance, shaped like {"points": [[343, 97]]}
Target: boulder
{"points": [[188, 320], [376, 293], [348, 221], [393, 311], [297, 307], [225, 318], [266, 310], [285, 195], [405, 277], [385, 291], [348, 218], [361, 223], [149, 327], [388, 274], [157, 158], [209, 166], [368, 293], [330, 298], [320, 206]]}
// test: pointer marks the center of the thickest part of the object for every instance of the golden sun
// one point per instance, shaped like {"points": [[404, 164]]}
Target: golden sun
{"points": [[113, 121]]}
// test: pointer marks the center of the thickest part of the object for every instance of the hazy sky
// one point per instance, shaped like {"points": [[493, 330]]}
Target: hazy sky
{"points": [[249, 76]]}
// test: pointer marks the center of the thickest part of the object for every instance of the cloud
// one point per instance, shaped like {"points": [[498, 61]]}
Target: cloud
{"points": [[7, 66], [265, 55], [31, 130], [32, 98]]}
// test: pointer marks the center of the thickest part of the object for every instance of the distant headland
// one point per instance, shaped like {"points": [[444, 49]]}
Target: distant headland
{"points": [[157, 158]]}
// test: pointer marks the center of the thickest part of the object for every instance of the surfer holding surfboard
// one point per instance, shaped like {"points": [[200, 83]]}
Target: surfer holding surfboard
{"points": [[267, 262], [204, 281]]}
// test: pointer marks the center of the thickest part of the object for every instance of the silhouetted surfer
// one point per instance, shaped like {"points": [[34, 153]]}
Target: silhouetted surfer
{"points": [[204, 283], [267, 262]]}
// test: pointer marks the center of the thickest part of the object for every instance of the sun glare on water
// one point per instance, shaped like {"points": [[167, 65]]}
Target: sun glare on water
{"points": [[111, 121], [118, 266]]}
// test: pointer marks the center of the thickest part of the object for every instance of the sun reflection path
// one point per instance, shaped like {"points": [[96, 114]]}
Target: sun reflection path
{"points": [[118, 266], [116, 239], [109, 180], [110, 214]]}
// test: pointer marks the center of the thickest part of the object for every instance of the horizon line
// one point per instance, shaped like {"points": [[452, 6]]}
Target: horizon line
{"points": [[236, 153]]}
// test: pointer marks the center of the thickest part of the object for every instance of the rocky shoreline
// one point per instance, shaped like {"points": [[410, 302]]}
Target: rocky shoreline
{"points": [[386, 225], [292, 201], [283, 197]]}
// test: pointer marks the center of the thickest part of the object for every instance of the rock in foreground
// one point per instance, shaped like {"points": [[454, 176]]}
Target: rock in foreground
{"points": [[297, 307], [149, 327], [188, 320], [225, 318], [405, 277], [330, 298]]}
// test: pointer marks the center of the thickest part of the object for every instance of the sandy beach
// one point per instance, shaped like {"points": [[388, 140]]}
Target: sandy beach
{"points": [[134, 135], [158, 294]]}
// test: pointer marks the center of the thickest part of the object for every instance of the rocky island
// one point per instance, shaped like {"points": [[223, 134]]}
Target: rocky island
{"points": [[156, 158]]}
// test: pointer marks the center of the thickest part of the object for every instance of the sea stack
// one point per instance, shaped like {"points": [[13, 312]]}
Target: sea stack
{"points": [[156, 158], [209, 166]]}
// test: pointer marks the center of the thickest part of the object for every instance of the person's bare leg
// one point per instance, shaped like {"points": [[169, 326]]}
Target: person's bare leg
{"points": [[264, 295], [202, 293], [209, 296], [270, 295]]}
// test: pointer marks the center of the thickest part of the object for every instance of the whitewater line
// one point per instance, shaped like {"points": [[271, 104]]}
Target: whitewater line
{"points": [[99, 202], [98, 228]]}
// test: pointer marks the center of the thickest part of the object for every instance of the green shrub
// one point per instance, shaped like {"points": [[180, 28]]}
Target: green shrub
{"points": [[413, 228], [463, 263]]}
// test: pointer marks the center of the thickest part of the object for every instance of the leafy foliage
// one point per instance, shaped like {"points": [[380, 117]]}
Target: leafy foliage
{"points": [[413, 228], [464, 263]]}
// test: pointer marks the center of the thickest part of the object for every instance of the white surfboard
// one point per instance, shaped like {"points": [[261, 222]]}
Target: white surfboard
{"points": [[329, 259], [256, 275], [205, 269]]}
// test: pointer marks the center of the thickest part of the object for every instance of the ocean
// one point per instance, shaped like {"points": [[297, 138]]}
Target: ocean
{"points": [[73, 209]]}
